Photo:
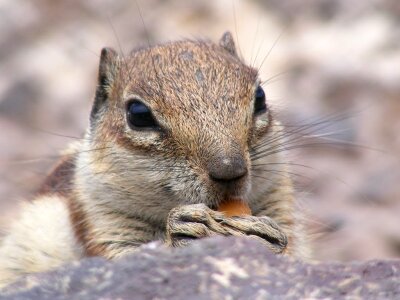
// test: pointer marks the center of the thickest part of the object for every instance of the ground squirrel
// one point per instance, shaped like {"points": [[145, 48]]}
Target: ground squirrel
{"points": [[175, 129]]}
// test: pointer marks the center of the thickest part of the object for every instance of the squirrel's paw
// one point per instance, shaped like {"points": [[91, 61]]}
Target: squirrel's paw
{"points": [[189, 222], [262, 228]]}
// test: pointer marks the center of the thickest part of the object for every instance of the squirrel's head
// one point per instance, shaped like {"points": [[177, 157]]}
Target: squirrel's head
{"points": [[176, 124]]}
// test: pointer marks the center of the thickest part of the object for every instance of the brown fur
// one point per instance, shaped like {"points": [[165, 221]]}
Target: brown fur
{"points": [[60, 178], [125, 187]]}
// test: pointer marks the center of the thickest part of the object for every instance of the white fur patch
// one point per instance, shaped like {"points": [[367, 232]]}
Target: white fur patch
{"points": [[42, 239]]}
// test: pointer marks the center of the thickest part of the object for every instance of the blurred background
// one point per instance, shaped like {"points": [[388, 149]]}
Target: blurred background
{"points": [[331, 63]]}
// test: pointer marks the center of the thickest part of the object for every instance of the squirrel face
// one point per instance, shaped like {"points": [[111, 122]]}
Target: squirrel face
{"points": [[177, 122]]}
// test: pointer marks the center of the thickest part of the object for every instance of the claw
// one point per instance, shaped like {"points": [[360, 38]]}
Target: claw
{"points": [[264, 228], [190, 222]]}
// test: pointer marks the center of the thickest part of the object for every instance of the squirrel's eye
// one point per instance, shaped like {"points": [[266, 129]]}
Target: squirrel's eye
{"points": [[260, 106], [139, 116]]}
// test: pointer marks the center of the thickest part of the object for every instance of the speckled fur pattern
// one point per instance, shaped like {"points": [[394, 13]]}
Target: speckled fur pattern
{"points": [[123, 183]]}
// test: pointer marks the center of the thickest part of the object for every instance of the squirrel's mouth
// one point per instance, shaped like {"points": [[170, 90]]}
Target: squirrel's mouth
{"points": [[233, 207], [226, 198], [237, 189], [216, 193]]}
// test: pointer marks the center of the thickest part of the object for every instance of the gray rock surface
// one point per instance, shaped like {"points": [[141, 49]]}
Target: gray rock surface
{"points": [[218, 268]]}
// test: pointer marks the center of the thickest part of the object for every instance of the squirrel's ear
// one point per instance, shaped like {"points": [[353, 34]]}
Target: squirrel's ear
{"points": [[107, 72], [227, 43]]}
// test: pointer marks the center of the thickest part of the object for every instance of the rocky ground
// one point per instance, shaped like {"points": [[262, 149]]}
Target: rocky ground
{"points": [[335, 61], [219, 268]]}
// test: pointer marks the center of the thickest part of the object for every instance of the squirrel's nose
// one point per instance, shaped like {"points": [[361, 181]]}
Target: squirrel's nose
{"points": [[225, 169]]}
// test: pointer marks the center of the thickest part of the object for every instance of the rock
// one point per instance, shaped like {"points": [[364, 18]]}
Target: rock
{"points": [[217, 268]]}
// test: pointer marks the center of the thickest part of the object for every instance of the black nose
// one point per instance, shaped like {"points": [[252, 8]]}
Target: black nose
{"points": [[226, 169]]}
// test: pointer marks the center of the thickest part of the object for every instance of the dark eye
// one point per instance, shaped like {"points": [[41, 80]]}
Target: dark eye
{"points": [[260, 105], [139, 116]]}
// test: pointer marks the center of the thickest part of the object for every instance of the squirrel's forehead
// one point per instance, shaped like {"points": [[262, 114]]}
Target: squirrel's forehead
{"points": [[190, 60], [190, 69]]}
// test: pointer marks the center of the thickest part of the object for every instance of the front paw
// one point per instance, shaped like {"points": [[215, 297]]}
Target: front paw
{"points": [[262, 228], [189, 222]]}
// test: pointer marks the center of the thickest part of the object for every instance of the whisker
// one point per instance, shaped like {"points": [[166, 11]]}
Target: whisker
{"points": [[252, 60], [272, 47], [260, 149], [283, 173], [320, 124], [271, 79], [120, 47], [236, 28], [351, 144], [284, 148]]}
